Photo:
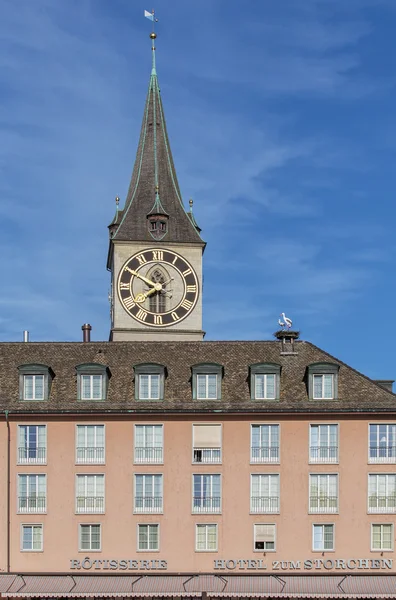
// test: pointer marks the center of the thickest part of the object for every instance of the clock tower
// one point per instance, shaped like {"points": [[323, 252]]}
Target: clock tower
{"points": [[155, 251]]}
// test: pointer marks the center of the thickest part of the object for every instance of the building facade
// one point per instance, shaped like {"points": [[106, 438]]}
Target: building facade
{"points": [[156, 464]]}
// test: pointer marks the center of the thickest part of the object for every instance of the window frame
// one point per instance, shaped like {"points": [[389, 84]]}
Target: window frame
{"points": [[312, 461], [148, 461], [269, 461], [212, 511], [216, 526], [150, 369], [41, 525], [94, 462], [276, 477], [92, 369], [80, 548], [377, 460], [207, 369], [42, 511], [90, 512], [35, 369], [377, 510], [211, 462], [391, 525], [264, 369], [138, 525], [29, 461], [323, 525], [323, 511], [323, 368], [254, 537], [144, 510]]}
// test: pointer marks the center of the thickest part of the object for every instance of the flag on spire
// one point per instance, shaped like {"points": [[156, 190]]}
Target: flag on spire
{"points": [[150, 15]]}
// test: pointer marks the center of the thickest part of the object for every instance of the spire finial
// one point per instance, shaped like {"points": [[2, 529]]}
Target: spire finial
{"points": [[117, 201], [153, 35], [191, 202]]}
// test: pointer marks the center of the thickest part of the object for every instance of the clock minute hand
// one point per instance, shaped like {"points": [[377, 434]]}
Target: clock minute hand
{"points": [[148, 281]]}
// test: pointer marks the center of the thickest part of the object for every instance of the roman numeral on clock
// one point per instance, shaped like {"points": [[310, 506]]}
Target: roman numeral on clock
{"points": [[175, 316], [158, 255], [124, 286], [191, 288], [186, 304], [129, 303], [141, 315], [187, 272], [141, 258], [157, 320]]}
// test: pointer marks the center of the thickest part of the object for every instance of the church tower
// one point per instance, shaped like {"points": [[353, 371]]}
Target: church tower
{"points": [[155, 251]]}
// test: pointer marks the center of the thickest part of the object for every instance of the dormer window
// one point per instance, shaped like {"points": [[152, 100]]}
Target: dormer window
{"points": [[149, 381], [92, 382], [34, 382], [323, 381], [157, 225], [206, 381], [264, 381]]}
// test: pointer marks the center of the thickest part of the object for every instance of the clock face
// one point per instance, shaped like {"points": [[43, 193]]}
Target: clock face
{"points": [[158, 287]]}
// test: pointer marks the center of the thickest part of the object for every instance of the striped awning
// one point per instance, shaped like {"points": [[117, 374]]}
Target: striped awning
{"points": [[215, 587]]}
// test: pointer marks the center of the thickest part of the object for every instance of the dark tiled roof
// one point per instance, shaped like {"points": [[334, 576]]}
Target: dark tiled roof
{"points": [[154, 155], [356, 392]]}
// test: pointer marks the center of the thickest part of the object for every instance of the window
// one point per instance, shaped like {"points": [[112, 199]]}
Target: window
{"points": [[90, 494], [89, 537], [206, 443], [149, 381], [148, 494], [264, 444], [34, 382], [32, 493], [149, 442], [148, 537], [264, 537], [323, 381], [90, 444], [264, 494], [32, 537], [32, 444], [206, 494], [323, 445], [323, 493], [382, 536], [382, 442], [92, 382], [264, 381], [206, 381], [323, 537], [382, 493], [206, 537]]}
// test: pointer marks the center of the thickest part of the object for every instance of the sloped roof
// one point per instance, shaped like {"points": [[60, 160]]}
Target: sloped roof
{"points": [[356, 393]]}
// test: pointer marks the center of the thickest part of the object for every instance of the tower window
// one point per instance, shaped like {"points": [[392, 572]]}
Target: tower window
{"points": [[158, 300], [157, 225]]}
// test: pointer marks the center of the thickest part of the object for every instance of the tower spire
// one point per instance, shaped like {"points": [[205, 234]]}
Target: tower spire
{"points": [[154, 200]]}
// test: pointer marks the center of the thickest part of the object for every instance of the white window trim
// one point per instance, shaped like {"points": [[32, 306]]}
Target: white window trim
{"points": [[220, 462], [254, 538], [374, 511], [31, 512], [22, 549], [267, 462], [196, 537], [322, 397], [269, 512], [80, 525], [376, 461], [215, 512], [324, 462], [334, 537], [137, 537], [95, 512], [148, 512], [159, 462], [207, 375], [27, 462], [266, 396], [79, 462], [392, 538], [324, 512]]}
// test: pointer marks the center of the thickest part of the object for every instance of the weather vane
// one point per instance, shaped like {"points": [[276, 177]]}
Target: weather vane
{"points": [[285, 323]]}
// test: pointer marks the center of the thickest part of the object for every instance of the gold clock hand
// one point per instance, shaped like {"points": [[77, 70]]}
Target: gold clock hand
{"points": [[139, 298], [137, 274]]}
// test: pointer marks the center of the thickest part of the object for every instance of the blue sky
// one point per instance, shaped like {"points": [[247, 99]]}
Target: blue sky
{"points": [[283, 130]]}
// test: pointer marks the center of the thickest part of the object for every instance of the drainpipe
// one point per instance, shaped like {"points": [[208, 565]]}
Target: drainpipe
{"points": [[8, 490]]}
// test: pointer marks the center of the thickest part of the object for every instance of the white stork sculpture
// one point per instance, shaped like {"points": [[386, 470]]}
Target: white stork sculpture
{"points": [[286, 322]]}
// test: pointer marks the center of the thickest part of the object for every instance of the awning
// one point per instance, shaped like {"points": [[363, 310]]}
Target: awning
{"points": [[214, 587]]}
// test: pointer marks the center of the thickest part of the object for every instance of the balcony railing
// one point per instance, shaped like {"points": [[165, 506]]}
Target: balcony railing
{"points": [[32, 455], [90, 504], [148, 455], [382, 454], [32, 504], [87, 454], [264, 454], [323, 504], [206, 504], [264, 504], [321, 454], [382, 504], [148, 504], [207, 455]]}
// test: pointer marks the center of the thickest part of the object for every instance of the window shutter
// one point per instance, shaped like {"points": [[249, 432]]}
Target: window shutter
{"points": [[265, 533], [207, 436]]}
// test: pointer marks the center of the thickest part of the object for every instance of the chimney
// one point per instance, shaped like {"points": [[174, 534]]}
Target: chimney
{"points": [[25, 335], [86, 328], [387, 384], [287, 338]]}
